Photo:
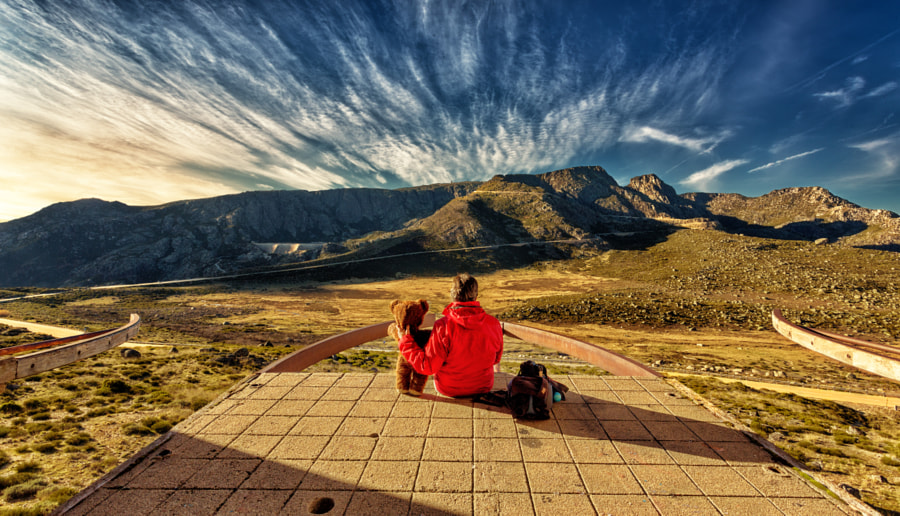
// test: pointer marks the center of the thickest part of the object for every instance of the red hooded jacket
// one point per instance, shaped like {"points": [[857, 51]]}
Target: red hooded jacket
{"points": [[461, 353]]}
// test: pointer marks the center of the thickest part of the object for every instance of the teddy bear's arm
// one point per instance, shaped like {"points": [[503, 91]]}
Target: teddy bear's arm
{"points": [[425, 361]]}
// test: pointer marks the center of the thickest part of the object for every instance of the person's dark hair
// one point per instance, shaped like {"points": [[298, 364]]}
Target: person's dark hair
{"points": [[465, 288]]}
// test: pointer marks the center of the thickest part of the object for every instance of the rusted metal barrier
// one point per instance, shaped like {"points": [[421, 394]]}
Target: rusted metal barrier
{"points": [[62, 351], [604, 359], [843, 349]]}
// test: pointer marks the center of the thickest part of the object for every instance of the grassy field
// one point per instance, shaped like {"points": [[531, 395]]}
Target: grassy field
{"points": [[696, 302]]}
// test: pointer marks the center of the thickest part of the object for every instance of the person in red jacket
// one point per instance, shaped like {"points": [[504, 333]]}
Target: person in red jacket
{"points": [[464, 347]]}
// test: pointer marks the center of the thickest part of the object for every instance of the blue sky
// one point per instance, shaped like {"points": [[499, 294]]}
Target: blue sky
{"points": [[147, 102]]}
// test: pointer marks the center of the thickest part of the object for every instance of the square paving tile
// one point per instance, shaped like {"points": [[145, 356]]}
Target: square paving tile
{"points": [[295, 408], [545, 450], [636, 397], [556, 504], [776, 481], [167, 473], [581, 429], [643, 452], [222, 474], [192, 501], [742, 453], [566, 410], [312, 425], [600, 398], [550, 477], [228, 425], [623, 384], [453, 409], [583, 384], [330, 408], [299, 447], [807, 506], [372, 409], [655, 385], [450, 427], [289, 379], [506, 477], [317, 502], [495, 428], [133, 501], [406, 410], [743, 506], [255, 501], [503, 504], [269, 393], [321, 380], [720, 481], [652, 412], [715, 432], [406, 427], [490, 450], [693, 505], [696, 453], [444, 477], [333, 475], [373, 394], [304, 392], [271, 425], [348, 447], [447, 449], [586, 451], [370, 426], [200, 447], [278, 474], [546, 429], [670, 431], [248, 446], [389, 476], [251, 407], [609, 479], [626, 431], [440, 504], [664, 480], [343, 393], [635, 505], [355, 380], [612, 412], [399, 448]]}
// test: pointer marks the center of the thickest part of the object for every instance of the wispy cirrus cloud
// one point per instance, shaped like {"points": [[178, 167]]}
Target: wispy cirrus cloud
{"points": [[844, 96], [704, 178], [645, 134], [789, 158]]}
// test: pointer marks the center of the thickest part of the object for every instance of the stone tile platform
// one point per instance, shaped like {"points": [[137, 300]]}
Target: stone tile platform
{"points": [[298, 443]]}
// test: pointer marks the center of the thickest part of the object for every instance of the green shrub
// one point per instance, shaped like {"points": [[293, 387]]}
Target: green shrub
{"points": [[46, 448], [15, 479], [24, 491], [161, 427], [41, 416], [136, 429], [79, 439], [114, 386], [5, 431], [4, 459], [28, 467], [11, 408], [57, 495], [888, 460]]}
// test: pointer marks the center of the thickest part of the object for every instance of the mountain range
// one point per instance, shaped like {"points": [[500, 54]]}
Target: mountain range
{"points": [[95, 242]]}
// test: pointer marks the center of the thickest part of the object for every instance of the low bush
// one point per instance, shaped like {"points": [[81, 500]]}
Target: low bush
{"points": [[25, 491]]}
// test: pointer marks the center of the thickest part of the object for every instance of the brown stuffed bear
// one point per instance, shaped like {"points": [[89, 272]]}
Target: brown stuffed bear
{"points": [[409, 314]]}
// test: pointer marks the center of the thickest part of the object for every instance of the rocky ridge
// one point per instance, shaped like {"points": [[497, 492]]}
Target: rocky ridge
{"points": [[92, 242]]}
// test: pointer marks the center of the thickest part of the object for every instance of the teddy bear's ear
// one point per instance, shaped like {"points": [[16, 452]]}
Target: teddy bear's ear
{"points": [[395, 303], [424, 305]]}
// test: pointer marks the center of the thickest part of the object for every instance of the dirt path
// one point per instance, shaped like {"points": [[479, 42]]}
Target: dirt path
{"points": [[808, 392], [54, 331]]}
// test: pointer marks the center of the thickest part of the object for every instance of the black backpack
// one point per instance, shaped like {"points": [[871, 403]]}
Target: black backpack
{"points": [[529, 395]]}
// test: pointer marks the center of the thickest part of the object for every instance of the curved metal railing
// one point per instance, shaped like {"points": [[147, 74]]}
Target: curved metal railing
{"points": [[614, 363], [846, 350], [62, 351]]}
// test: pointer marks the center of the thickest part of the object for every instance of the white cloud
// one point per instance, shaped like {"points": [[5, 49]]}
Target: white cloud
{"points": [[702, 179], [882, 90], [885, 154], [645, 134], [779, 162], [860, 59], [844, 96]]}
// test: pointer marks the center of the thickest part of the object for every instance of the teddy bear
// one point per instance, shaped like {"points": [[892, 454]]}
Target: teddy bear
{"points": [[409, 314]]}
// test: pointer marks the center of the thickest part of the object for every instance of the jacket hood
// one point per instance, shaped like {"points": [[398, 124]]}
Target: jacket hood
{"points": [[468, 314]]}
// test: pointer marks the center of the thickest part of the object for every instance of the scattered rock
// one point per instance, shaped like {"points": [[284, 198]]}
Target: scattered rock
{"points": [[129, 353], [173, 350], [878, 479], [821, 241], [854, 492]]}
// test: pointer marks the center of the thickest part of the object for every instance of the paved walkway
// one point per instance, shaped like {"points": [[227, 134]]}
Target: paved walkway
{"points": [[297, 443]]}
